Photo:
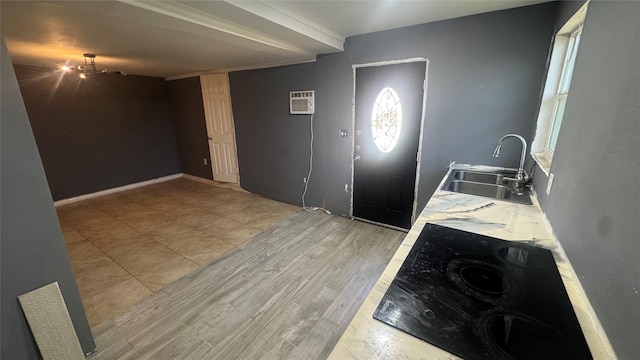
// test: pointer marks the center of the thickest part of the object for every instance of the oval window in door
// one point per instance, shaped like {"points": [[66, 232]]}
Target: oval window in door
{"points": [[386, 119]]}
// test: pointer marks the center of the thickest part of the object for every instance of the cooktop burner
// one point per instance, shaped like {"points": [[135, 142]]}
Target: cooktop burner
{"points": [[483, 298]]}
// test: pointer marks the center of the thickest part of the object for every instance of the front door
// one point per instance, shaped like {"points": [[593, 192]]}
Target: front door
{"points": [[388, 113], [220, 131]]}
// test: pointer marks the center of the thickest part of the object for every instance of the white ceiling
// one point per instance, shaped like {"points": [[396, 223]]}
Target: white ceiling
{"points": [[172, 39]]}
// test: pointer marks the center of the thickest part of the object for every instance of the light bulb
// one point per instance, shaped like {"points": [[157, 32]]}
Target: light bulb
{"points": [[83, 76], [65, 68]]}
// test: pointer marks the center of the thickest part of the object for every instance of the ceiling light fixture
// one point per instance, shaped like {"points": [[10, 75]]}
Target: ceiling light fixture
{"points": [[89, 68]]}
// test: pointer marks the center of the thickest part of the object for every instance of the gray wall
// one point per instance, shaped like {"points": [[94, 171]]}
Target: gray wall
{"points": [[485, 76], [191, 129], [33, 252], [99, 133], [594, 203], [273, 146]]}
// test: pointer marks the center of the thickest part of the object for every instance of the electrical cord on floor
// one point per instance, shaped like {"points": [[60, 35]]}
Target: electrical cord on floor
{"points": [[306, 183]]}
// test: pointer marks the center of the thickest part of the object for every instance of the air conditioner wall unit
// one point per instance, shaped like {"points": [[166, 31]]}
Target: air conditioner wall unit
{"points": [[302, 102]]}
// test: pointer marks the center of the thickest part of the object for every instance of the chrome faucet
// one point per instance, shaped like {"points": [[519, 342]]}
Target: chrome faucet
{"points": [[521, 177]]}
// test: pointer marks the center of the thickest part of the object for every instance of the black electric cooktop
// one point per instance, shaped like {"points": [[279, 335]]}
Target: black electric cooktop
{"points": [[481, 298]]}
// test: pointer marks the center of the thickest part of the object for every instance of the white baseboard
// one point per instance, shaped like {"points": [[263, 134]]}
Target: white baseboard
{"points": [[116, 190], [198, 179], [230, 186]]}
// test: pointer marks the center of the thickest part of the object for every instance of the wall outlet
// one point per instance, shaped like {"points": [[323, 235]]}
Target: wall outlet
{"points": [[204, 160], [346, 188], [550, 182], [304, 180]]}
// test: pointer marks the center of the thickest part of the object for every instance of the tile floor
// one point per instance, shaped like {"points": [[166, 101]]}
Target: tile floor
{"points": [[126, 246]]}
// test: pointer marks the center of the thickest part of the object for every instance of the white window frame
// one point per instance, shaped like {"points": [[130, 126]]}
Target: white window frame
{"points": [[556, 90]]}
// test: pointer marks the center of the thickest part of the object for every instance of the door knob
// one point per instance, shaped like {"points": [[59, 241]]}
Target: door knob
{"points": [[209, 137], [356, 158]]}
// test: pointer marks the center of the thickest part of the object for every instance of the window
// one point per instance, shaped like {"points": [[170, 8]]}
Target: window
{"points": [[386, 119], [563, 89], [556, 91]]}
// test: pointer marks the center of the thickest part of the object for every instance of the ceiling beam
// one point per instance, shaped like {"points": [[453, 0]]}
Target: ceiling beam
{"points": [[292, 21], [194, 16]]}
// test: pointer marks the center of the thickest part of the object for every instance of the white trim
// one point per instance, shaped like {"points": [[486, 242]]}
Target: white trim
{"points": [[556, 74], [241, 68], [387, 62], [116, 190], [75, 199], [425, 86], [230, 186], [210, 21], [575, 21], [291, 21], [543, 160], [548, 100], [198, 179], [353, 139]]}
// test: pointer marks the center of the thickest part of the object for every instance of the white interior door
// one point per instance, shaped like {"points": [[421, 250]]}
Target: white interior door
{"points": [[222, 139]]}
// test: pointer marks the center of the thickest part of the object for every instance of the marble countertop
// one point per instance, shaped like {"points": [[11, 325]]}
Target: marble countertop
{"points": [[367, 338]]}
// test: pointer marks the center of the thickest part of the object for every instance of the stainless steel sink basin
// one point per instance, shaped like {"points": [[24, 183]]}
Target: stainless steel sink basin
{"points": [[487, 184], [481, 177]]}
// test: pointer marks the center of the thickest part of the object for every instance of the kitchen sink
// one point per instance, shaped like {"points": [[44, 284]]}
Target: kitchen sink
{"points": [[482, 177], [490, 184]]}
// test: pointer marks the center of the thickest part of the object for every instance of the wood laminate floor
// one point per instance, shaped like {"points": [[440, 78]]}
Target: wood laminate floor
{"points": [[288, 293]]}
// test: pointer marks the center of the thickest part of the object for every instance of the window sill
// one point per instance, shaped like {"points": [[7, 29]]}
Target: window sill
{"points": [[543, 160]]}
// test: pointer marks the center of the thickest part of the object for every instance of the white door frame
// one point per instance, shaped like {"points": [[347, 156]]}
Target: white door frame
{"points": [[422, 117]]}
